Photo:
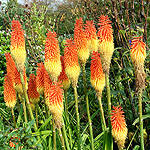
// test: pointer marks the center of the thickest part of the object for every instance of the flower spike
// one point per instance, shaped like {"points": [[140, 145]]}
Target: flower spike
{"points": [[9, 92], [91, 36], [34, 96], [119, 129], [72, 67], [40, 78], [54, 101], [80, 41], [52, 56], [17, 47], [97, 74], [106, 44], [63, 77]]}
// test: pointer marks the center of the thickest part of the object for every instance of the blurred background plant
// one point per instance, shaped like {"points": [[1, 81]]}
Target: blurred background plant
{"points": [[129, 18]]}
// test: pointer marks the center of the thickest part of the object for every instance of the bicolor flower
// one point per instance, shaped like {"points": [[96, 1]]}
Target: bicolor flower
{"points": [[33, 95], [40, 78], [9, 92], [63, 77], [17, 47], [91, 36], [54, 101], [138, 55], [52, 56], [119, 129], [80, 41], [72, 67], [97, 74], [106, 44]]}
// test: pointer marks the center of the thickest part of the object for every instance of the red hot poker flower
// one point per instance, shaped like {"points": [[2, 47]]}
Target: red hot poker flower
{"points": [[119, 129], [72, 67], [97, 74], [80, 41], [91, 36], [17, 47], [106, 45], [55, 102], [52, 56], [138, 50], [34, 96], [63, 77], [40, 78], [9, 92]]}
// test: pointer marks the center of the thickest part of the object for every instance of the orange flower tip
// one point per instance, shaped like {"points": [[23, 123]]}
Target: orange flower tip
{"points": [[138, 50], [34, 96], [9, 92], [119, 129], [97, 74], [40, 78], [17, 47], [52, 56], [54, 101]]}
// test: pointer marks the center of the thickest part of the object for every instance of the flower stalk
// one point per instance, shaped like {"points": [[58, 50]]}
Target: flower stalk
{"points": [[27, 99], [140, 119], [13, 116], [87, 105]]}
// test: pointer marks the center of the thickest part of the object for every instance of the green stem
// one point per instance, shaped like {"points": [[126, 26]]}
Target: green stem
{"points": [[65, 136], [18, 105], [87, 105], [109, 108], [140, 119], [67, 116], [25, 111], [102, 112], [54, 135], [77, 115], [13, 116], [62, 139], [27, 99], [36, 113]]}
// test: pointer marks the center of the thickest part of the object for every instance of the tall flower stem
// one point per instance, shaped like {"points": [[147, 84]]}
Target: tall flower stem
{"points": [[27, 99], [140, 119], [62, 139], [25, 111], [101, 112], [77, 115], [67, 116], [109, 108], [54, 135], [65, 136], [87, 105], [13, 116], [36, 113]]}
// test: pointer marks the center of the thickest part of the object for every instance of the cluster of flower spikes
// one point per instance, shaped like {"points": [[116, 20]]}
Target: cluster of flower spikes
{"points": [[81, 41], [106, 44], [71, 63], [12, 82], [97, 74], [52, 56], [91, 36], [63, 77], [119, 129], [17, 47], [138, 55]]}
